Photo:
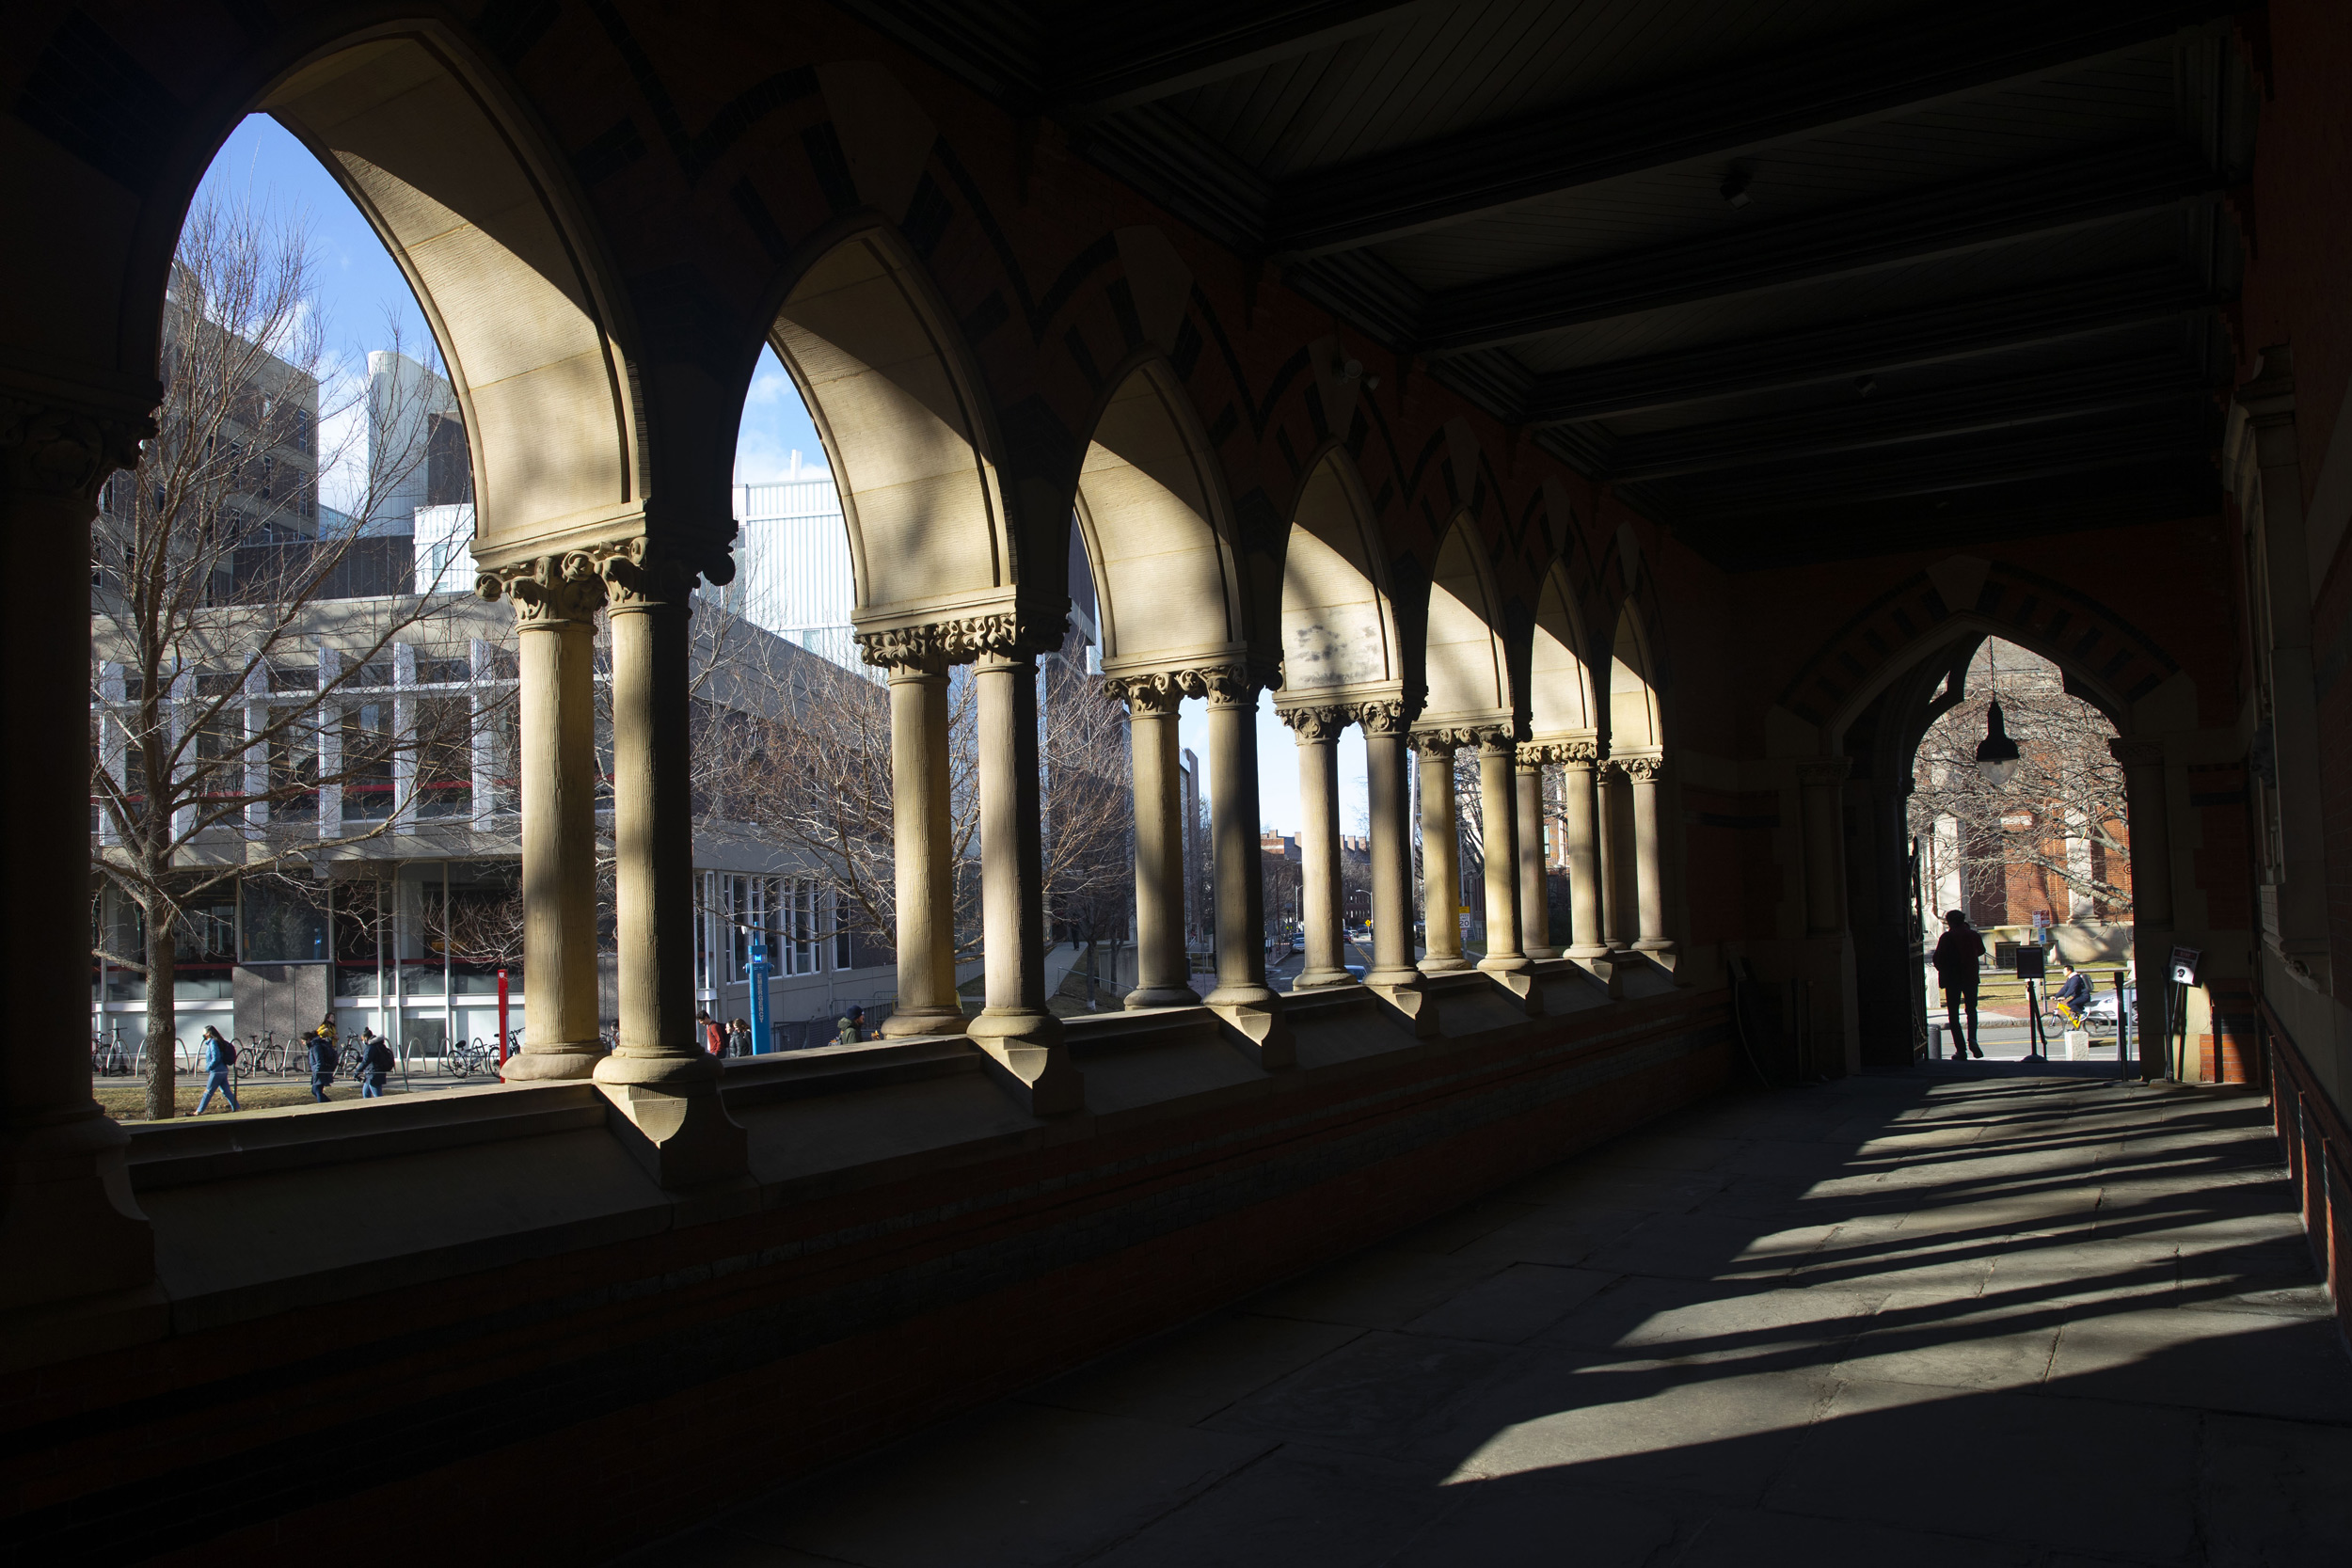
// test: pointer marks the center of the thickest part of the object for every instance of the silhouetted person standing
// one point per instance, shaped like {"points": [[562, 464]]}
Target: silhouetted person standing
{"points": [[1959, 959]]}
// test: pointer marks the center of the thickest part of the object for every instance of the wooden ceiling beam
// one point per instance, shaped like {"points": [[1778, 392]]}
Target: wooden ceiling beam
{"points": [[1113, 58], [2112, 183], [1814, 87], [1871, 422], [2047, 312]]}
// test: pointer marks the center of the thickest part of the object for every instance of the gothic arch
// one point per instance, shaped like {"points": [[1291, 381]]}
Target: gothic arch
{"points": [[1339, 628], [905, 428], [485, 231], [1159, 534], [1466, 661], [2107, 662], [1560, 700], [1634, 720]]}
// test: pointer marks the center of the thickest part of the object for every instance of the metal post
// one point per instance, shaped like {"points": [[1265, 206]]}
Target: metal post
{"points": [[501, 1018], [756, 977]]}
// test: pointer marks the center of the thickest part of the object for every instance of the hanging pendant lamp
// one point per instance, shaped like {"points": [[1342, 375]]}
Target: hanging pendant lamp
{"points": [[1996, 754]]}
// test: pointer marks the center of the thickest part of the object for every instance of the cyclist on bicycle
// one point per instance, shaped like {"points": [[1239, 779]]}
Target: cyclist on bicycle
{"points": [[2072, 997]]}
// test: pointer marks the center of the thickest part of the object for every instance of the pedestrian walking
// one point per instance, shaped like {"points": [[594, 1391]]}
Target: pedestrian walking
{"points": [[740, 1038], [714, 1037], [850, 1027], [321, 1053], [375, 1061], [220, 1060], [1959, 961]]}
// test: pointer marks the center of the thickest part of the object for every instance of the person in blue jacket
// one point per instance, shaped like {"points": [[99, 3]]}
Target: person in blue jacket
{"points": [[2072, 997], [323, 1054], [220, 1060]]}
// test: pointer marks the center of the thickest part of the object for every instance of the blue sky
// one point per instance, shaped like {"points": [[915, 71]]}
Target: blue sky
{"points": [[365, 304]]}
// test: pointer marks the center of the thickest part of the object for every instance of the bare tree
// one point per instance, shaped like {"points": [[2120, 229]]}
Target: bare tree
{"points": [[2068, 789], [217, 721], [795, 751]]}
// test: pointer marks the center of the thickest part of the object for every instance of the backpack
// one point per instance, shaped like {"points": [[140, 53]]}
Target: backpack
{"points": [[228, 1051], [380, 1057]]}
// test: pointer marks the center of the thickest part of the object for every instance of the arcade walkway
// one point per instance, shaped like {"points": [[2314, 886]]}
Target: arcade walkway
{"points": [[1958, 1317]]}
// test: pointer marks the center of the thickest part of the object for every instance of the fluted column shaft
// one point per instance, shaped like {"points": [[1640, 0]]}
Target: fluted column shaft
{"points": [[1498, 810], [1582, 799], [922, 846], [555, 607], [1534, 893], [1386, 758], [1163, 969], [1318, 731], [1440, 858]]}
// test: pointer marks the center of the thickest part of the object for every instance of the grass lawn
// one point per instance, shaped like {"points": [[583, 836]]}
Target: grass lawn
{"points": [[125, 1098]]}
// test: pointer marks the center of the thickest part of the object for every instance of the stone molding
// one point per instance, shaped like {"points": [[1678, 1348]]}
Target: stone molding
{"points": [[1823, 772], [2137, 753], [60, 452], [548, 590], [1316, 721], [1642, 769]]}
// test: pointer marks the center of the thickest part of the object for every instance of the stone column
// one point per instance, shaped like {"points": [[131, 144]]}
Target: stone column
{"points": [[1617, 903], [2147, 806], [1163, 968], [69, 1225], [1650, 872], [1820, 783], [1498, 811], [922, 853], [556, 599], [1250, 1007], [1580, 760], [1534, 890], [1017, 1030], [1394, 977], [1318, 731], [1440, 853], [660, 1076]]}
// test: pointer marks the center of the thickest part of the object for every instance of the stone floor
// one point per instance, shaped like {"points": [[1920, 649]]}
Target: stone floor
{"points": [[1957, 1317]]}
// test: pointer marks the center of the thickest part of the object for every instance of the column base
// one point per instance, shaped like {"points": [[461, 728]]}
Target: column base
{"points": [[1315, 979], [1444, 966], [1596, 961], [1253, 1025], [667, 1110], [538, 1063], [1546, 951], [1143, 997], [1403, 1003], [938, 1017], [1026, 1055], [69, 1225]]}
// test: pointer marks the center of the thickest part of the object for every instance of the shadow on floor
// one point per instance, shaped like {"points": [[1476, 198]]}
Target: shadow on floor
{"points": [[1964, 1315]]}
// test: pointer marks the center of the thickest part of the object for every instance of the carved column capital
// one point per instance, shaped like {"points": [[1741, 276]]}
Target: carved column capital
{"points": [[1575, 754], [1642, 769], [51, 451], [1316, 721], [643, 574], [2137, 753], [1228, 685], [1386, 716], [904, 650], [1824, 772], [1147, 693], [548, 590], [1446, 739], [1004, 634]]}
